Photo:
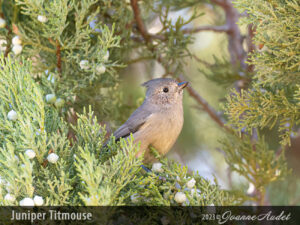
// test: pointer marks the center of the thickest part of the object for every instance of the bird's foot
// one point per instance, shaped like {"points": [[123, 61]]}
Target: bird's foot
{"points": [[146, 169]]}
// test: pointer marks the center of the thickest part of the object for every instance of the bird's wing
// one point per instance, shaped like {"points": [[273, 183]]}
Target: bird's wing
{"points": [[132, 125]]}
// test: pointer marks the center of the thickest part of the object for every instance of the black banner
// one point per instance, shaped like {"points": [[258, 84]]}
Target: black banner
{"points": [[243, 215]]}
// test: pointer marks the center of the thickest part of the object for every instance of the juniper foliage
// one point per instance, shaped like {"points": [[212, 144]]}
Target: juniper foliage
{"points": [[272, 100]]}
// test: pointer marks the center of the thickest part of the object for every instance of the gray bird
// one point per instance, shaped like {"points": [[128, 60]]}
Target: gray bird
{"points": [[159, 120]]}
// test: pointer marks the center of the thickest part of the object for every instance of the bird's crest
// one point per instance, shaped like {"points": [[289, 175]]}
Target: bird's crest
{"points": [[157, 81]]}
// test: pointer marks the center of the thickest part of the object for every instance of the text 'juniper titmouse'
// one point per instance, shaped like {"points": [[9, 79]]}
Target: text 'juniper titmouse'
{"points": [[159, 120]]}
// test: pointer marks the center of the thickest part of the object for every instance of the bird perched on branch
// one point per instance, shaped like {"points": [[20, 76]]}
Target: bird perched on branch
{"points": [[158, 121]]}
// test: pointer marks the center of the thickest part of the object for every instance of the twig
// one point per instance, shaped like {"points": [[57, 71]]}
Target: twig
{"points": [[223, 28], [218, 29], [138, 19], [139, 59], [8, 46], [219, 2], [58, 57], [235, 45], [127, 26], [211, 112], [28, 42], [251, 46], [201, 61], [142, 28]]}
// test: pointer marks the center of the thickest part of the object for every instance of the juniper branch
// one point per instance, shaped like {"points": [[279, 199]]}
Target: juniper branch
{"points": [[8, 47], [251, 46], [58, 57], [138, 19], [221, 29]]}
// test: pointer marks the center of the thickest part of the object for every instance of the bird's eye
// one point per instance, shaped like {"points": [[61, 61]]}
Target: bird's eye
{"points": [[166, 90]]}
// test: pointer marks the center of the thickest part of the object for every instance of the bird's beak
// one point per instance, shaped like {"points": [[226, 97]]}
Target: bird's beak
{"points": [[183, 84]]}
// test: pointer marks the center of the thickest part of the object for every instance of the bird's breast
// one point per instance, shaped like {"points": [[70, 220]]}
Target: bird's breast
{"points": [[166, 130]]}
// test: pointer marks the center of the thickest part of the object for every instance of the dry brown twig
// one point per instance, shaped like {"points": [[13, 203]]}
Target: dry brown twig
{"points": [[58, 58], [221, 29], [9, 33], [138, 19], [206, 107], [145, 34]]}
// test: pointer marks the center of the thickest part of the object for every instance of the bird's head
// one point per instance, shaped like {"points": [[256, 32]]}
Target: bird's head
{"points": [[165, 91]]}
